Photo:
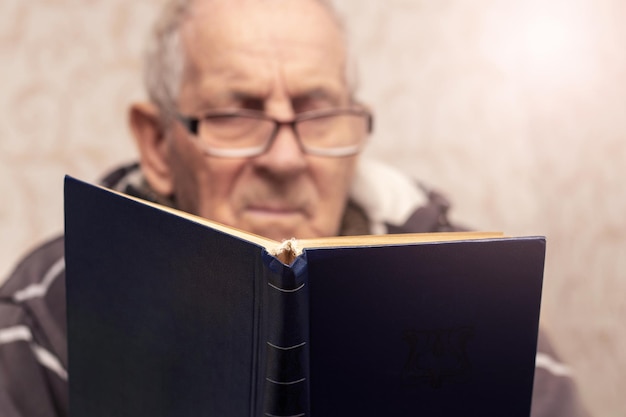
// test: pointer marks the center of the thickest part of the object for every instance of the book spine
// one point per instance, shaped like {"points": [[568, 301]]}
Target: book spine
{"points": [[286, 392]]}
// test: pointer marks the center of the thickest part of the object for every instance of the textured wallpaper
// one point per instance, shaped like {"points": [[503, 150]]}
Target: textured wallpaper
{"points": [[515, 109]]}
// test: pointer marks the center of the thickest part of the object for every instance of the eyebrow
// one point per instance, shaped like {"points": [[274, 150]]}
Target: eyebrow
{"points": [[236, 96], [224, 99], [333, 97]]}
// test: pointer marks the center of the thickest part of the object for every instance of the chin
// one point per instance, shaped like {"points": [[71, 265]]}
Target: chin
{"points": [[281, 232], [276, 227]]}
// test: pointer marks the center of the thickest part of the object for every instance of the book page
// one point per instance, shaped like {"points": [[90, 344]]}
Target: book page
{"points": [[291, 248]]}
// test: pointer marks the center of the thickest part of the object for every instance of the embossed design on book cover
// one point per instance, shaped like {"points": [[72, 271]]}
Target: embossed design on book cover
{"points": [[437, 357]]}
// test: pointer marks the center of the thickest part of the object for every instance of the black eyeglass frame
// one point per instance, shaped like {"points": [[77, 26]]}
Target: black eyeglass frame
{"points": [[192, 124]]}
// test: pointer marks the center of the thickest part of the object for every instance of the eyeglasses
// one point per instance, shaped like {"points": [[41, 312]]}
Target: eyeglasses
{"points": [[248, 133]]}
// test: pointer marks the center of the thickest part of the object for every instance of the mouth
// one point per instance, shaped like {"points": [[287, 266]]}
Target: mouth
{"points": [[275, 220], [276, 212]]}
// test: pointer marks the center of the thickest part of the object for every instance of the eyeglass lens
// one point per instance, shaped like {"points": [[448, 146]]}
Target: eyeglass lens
{"points": [[326, 132]]}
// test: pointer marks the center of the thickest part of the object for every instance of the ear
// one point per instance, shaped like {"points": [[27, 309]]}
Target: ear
{"points": [[154, 153]]}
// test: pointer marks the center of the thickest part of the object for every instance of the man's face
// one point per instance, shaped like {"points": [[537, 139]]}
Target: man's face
{"points": [[282, 58]]}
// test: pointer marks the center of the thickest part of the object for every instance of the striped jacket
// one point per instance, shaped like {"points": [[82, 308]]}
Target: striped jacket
{"points": [[33, 347]]}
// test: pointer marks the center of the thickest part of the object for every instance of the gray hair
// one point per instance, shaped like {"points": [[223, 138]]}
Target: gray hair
{"points": [[164, 59]]}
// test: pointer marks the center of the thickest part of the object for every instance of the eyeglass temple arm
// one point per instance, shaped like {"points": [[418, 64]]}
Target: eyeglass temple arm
{"points": [[190, 123], [370, 123]]}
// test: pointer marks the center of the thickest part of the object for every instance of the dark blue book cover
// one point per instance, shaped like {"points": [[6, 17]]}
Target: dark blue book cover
{"points": [[168, 316]]}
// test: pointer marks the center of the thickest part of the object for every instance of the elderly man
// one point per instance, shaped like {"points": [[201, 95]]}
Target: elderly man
{"points": [[252, 122]]}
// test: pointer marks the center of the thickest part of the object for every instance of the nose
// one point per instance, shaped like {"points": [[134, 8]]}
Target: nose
{"points": [[285, 155]]}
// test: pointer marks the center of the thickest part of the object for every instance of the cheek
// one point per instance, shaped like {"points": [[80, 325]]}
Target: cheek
{"points": [[219, 184], [333, 181], [218, 189], [334, 176], [183, 167], [203, 185]]}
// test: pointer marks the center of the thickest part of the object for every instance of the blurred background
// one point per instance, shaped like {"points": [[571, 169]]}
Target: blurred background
{"points": [[516, 109]]}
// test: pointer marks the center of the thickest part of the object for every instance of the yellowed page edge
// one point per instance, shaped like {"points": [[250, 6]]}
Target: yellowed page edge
{"points": [[296, 246]]}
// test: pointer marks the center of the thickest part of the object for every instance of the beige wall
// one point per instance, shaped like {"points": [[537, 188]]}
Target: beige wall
{"points": [[516, 109]]}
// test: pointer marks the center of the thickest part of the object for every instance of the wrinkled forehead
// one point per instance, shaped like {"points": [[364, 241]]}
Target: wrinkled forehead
{"points": [[294, 33], [261, 20]]}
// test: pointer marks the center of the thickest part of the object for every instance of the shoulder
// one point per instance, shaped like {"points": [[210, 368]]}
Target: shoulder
{"points": [[45, 265], [41, 263], [33, 348], [33, 332], [395, 203], [33, 300], [554, 391]]}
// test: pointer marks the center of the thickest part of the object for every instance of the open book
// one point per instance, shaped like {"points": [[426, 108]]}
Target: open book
{"points": [[173, 315]]}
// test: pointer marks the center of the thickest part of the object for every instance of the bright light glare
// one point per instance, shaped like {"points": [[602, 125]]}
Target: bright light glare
{"points": [[540, 44], [549, 39]]}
